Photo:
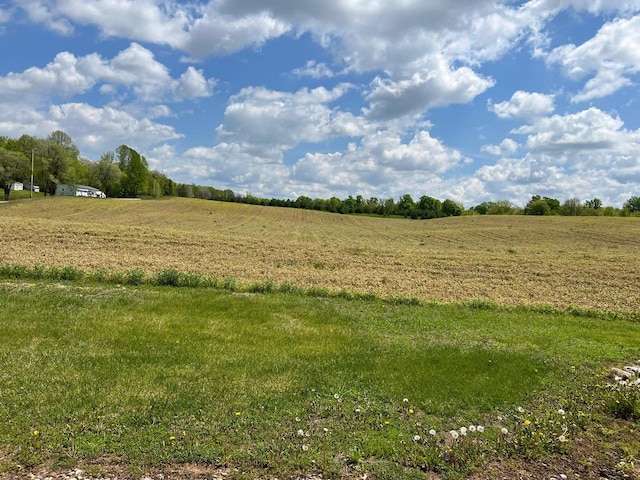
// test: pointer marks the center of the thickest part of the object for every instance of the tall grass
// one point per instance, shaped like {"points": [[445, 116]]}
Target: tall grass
{"points": [[282, 382]]}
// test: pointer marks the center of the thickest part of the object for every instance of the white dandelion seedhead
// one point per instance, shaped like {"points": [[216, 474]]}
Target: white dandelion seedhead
{"points": [[432, 432], [301, 433], [562, 438], [472, 428], [357, 410], [463, 431], [561, 411], [416, 438], [454, 434], [405, 400], [305, 447], [480, 429], [504, 431], [520, 410], [336, 396]]}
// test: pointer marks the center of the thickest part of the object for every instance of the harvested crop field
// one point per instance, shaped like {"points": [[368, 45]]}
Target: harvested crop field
{"points": [[589, 262]]}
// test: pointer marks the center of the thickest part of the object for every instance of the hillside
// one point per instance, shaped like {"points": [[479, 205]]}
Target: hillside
{"points": [[591, 262]]}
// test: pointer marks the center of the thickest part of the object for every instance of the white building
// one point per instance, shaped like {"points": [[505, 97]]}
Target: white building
{"points": [[17, 186], [79, 191]]}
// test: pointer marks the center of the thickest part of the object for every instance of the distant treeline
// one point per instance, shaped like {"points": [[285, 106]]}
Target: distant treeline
{"points": [[425, 207], [123, 172]]}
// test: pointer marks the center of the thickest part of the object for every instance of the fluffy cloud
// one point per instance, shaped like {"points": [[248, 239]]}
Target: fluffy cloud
{"points": [[99, 129], [381, 164], [506, 147], [314, 70], [263, 119], [612, 55], [586, 131], [586, 154], [524, 105], [218, 34], [197, 29], [423, 90], [134, 68], [145, 20], [94, 130]]}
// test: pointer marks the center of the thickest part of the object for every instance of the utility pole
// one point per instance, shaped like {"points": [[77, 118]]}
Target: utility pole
{"points": [[31, 186]]}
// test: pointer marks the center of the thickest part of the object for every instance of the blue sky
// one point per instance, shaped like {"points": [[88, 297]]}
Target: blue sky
{"points": [[473, 100]]}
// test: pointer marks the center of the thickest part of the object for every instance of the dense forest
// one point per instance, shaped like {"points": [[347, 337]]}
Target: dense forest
{"points": [[124, 172]]}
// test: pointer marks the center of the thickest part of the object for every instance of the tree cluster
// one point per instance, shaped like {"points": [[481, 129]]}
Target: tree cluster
{"points": [[539, 205], [56, 160], [426, 207]]}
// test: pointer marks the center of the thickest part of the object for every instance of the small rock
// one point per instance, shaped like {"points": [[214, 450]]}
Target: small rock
{"points": [[623, 374], [632, 369]]}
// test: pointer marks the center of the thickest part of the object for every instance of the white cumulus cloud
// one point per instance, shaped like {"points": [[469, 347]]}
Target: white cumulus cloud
{"points": [[612, 56], [524, 105]]}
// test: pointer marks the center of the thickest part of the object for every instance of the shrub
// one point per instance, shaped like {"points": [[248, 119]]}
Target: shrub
{"points": [[135, 277], [14, 271], [169, 277], [70, 274], [100, 275]]}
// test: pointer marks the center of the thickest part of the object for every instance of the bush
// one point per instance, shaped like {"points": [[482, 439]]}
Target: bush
{"points": [[99, 276], [135, 277], [70, 274], [169, 277], [14, 271]]}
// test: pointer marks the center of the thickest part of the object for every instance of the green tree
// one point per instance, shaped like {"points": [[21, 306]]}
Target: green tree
{"points": [[632, 205], [65, 141], [14, 167], [389, 207], [53, 164], [571, 207], [429, 207], [303, 202], [135, 171], [502, 207], [542, 206], [405, 205], [594, 204], [451, 208], [537, 206], [554, 204], [108, 176]]}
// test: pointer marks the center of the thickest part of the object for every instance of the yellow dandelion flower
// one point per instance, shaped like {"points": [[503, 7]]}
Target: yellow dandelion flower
{"points": [[36, 433], [411, 410], [172, 438], [527, 423], [237, 414]]}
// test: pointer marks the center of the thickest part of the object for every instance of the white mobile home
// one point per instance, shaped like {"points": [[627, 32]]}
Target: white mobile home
{"points": [[79, 191], [17, 186]]}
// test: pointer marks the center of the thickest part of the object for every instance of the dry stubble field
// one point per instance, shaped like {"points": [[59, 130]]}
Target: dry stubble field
{"points": [[590, 262]]}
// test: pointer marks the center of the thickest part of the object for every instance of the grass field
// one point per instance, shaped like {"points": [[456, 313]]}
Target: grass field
{"points": [[284, 384], [287, 384], [590, 262]]}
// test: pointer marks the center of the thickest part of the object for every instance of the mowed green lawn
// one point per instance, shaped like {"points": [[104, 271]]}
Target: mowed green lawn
{"points": [[282, 382]]}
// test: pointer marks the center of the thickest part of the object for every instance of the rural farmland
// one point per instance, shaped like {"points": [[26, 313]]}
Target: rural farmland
{"points": [[588, 262], [130, 379]]}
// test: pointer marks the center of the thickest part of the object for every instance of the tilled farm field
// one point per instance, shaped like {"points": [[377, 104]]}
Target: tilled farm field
{"points": [[588, 262]]}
